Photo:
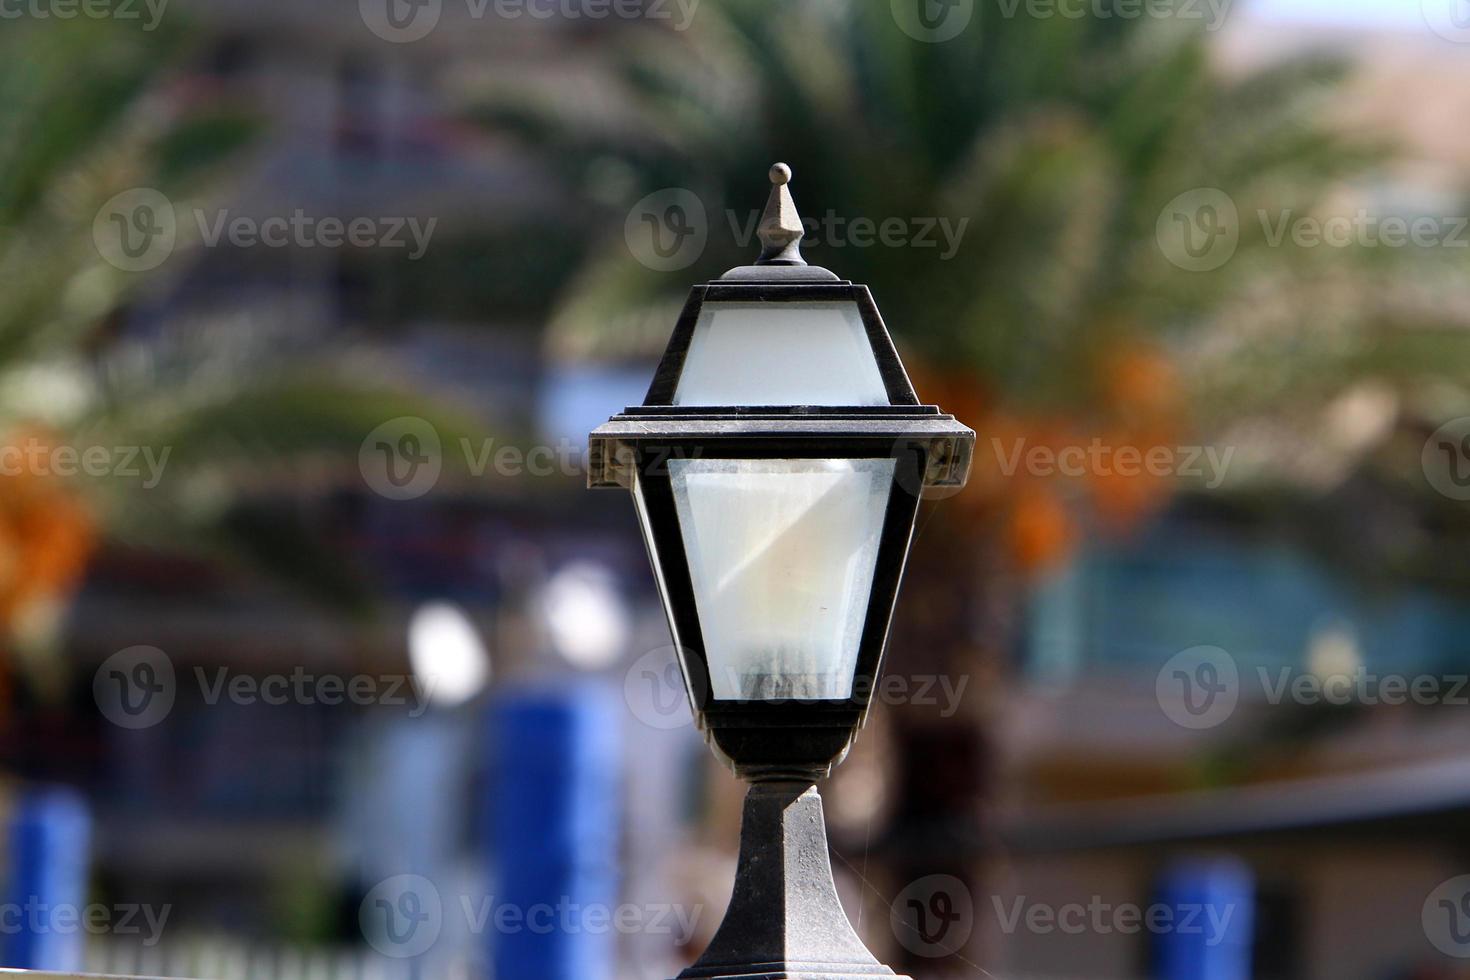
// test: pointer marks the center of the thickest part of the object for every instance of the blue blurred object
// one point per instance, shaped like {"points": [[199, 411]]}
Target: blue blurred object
{"points": [[1212, 913], [1128, 606], [47, 850], [555, 833]]}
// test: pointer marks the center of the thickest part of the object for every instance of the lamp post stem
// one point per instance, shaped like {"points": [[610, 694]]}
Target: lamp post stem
{"points": [[784, 920]]}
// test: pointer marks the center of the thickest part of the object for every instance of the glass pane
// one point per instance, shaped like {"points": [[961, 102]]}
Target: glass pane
{"points": [[780, 354], [781, 553]]}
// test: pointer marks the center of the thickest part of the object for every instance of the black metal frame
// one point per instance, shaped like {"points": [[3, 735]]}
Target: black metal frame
{"points": [[779, 739]]}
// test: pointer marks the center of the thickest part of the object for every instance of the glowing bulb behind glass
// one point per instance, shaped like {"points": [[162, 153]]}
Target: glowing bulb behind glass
{"points": [[781, 554]]}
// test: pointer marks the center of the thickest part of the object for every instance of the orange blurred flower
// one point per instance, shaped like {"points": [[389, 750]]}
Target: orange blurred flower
{"points": [[1032, 472], [1039, 529], [46, 531]]}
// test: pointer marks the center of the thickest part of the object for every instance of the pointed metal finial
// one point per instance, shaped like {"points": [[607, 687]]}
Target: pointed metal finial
{"points": [[780, 227]]}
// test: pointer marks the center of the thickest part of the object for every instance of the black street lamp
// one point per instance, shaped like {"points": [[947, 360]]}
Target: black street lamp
{"points": [[776, 465]]}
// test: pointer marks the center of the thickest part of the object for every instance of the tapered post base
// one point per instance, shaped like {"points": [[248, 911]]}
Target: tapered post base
{"points": [[784, 920]]}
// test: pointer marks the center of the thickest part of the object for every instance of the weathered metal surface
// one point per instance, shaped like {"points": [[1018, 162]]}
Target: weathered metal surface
{"points": [[785, 921]]}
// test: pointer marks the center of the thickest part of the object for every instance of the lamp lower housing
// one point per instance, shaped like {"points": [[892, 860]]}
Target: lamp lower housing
{"points": [[785, 921], [802, 742]]}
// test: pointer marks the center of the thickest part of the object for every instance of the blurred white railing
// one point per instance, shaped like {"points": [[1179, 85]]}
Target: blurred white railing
{"points": [[229, 959]]}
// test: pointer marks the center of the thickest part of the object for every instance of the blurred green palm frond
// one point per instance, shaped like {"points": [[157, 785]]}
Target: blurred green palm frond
{"points": [[1056, 144], [91, 108], [84, 117]]}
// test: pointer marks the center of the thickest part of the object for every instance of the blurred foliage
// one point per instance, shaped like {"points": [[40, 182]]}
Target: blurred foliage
{"points": [[500, 269], [90, 108], [1060, 318]]}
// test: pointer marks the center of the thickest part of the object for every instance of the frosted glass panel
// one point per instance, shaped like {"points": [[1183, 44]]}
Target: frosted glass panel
{"points": [[780, 354], [781, 553]]}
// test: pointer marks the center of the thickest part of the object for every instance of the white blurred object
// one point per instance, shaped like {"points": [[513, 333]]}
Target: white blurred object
{"points": [[1333, 651], [1361, 417], [449, 659], [586, 616]]}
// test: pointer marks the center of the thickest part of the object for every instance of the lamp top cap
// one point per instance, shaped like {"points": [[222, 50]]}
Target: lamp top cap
{"points": [[780, 228], [780, 232]]}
